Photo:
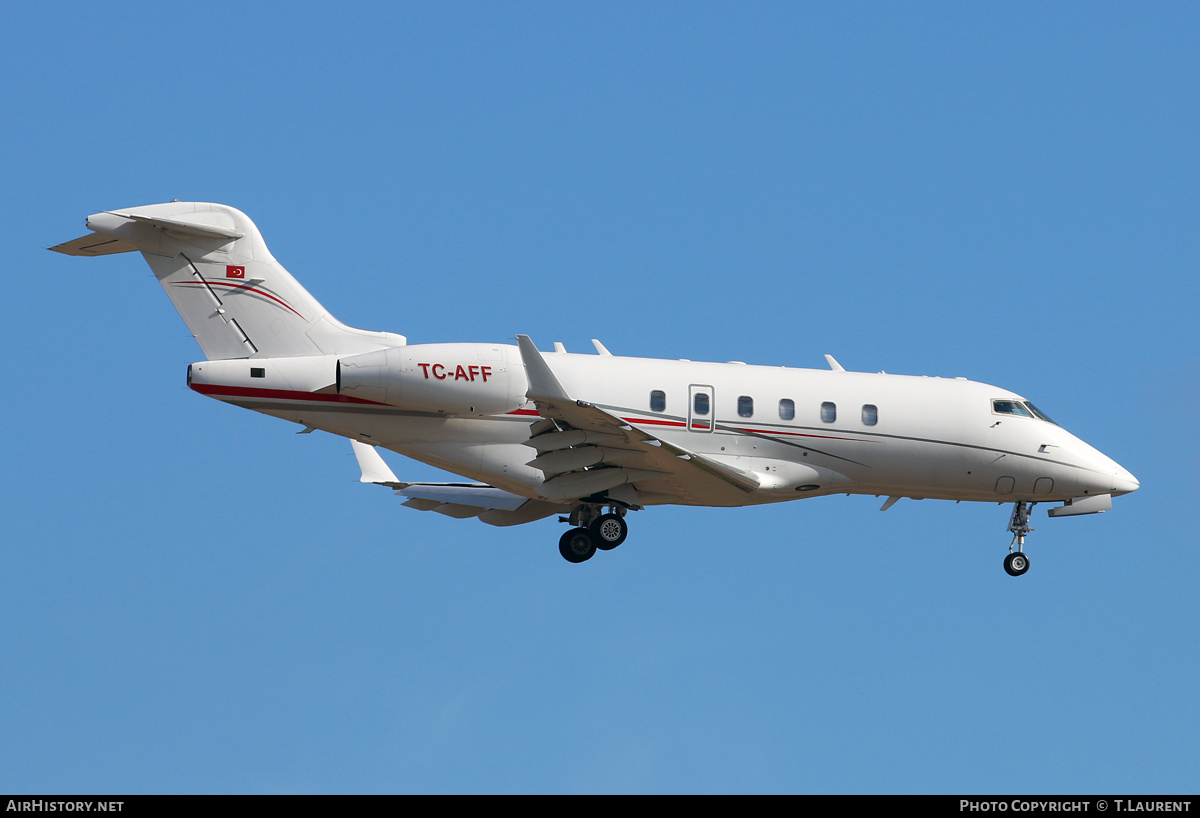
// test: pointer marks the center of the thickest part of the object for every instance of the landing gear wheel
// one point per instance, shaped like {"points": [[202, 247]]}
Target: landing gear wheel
{"points": [[576, 545], [1016, 564], [608, 531]]}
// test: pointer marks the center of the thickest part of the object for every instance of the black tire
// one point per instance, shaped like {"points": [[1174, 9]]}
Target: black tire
{"points": [[608, 531], [576, 545], [1016, 564]]}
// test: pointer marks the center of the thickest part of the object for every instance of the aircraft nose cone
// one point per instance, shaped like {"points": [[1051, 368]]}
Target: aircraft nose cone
{"points": [[1124, 482]]}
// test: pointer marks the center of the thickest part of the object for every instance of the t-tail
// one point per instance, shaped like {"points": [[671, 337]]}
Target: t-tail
{"points": [[236, 299]]}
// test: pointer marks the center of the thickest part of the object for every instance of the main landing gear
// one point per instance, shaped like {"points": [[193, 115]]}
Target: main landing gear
{"points": [[593, 530], [1016, 563]]}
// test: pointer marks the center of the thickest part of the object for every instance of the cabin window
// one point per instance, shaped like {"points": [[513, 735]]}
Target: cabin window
{"points": [[258, 372], [870, 415], [828, 412], [700, 404], [1010, 407], [658, 401], [746, 406], [787, 409]]}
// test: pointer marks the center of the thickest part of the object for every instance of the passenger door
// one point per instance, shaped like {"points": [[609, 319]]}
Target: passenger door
{"points": [[701, 409]]}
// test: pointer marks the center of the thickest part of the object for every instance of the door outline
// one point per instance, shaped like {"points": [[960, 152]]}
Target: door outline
{"points": [[701, 424]]}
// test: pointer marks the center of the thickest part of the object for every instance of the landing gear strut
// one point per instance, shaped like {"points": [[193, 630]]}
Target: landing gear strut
{"points": [[593, 530], [1017, 563]]}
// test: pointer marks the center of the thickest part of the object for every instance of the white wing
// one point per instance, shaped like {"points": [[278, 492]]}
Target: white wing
{"points": [[584, 451], [461, 500]]}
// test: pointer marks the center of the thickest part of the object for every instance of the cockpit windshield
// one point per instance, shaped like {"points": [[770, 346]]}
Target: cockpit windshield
{"points": [[1023, 409], [1038, 413]]}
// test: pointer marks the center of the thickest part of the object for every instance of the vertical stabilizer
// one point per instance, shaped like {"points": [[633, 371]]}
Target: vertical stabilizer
{"points": [[236, 299]]}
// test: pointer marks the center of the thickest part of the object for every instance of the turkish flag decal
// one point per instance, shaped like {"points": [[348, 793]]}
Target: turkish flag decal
{"points": [[234, 272]]}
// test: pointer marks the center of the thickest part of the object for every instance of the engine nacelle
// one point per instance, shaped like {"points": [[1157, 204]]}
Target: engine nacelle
{"points": [[449, 379], [300, 376]]}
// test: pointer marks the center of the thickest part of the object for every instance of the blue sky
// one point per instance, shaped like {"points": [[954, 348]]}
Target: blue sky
{"points": [[194, 599]]}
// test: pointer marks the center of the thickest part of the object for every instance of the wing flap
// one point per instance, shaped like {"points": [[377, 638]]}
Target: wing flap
{"points": [[477, 496], [491, 505], [458, 511], [422, 505]]}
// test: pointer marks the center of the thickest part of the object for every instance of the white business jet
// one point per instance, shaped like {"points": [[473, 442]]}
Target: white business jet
{"points": [[591, 437]]}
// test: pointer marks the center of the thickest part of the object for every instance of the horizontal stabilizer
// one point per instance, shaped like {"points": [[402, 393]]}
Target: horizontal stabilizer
{"points": [[94, 244]]}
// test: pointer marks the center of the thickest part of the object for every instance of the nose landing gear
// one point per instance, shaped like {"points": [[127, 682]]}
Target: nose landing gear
{"points": [[1017, 563]]}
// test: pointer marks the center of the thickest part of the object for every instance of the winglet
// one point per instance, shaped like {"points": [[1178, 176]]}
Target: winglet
{"points": [[542, 383], [374, 470]]}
